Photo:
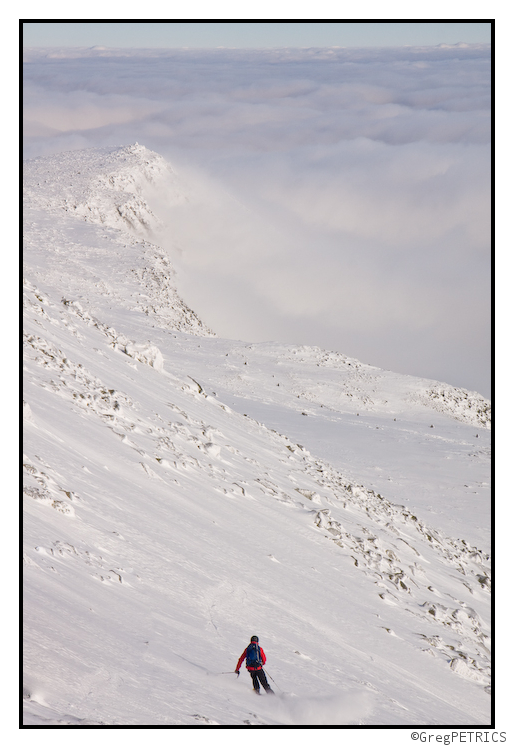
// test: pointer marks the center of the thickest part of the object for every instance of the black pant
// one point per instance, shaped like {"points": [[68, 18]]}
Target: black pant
{"points": [[259, 675]]}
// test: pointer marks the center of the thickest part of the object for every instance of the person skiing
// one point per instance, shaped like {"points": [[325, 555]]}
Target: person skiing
{"points": [[255, 659]]}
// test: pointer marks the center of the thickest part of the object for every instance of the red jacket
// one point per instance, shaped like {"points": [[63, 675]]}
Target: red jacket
{"points": [[243, 656]]}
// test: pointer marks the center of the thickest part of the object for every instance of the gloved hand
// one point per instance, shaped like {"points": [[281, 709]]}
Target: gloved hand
{"points": [[237, 671]]}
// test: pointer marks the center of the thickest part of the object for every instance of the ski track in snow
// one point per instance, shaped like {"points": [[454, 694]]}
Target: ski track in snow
{"points": [[151, 484]]}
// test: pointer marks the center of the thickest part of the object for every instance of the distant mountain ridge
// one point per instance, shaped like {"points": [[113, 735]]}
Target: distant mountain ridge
{"points": [[110, 186], [106, 187]]}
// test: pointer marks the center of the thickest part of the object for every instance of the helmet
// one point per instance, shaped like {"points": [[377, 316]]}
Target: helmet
{"points": [[254, 639]]}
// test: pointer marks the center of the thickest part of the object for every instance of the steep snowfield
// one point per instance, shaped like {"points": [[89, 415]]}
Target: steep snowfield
{"points": [[183, 492]]}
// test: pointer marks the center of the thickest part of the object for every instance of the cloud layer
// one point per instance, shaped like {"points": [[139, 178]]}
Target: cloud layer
{"points": [[343, 196]]}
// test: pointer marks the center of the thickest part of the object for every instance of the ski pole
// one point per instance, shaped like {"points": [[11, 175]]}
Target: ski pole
{"points": [[269, 676]]}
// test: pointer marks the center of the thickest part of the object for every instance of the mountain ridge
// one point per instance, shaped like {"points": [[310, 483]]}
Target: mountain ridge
{"points": [[181, 489]]}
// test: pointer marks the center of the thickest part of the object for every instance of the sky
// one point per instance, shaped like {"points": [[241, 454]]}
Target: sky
{"points": [[341, 196], [253, 35]]}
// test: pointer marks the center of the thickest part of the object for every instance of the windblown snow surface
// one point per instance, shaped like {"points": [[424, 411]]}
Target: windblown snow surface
{"points": [[183, 492]]}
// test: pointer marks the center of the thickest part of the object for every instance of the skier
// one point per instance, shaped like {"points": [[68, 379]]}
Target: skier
{"points": [[255, 659]]}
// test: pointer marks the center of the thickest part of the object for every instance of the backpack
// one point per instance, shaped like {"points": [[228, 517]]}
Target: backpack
{"points": [[253, 655]]}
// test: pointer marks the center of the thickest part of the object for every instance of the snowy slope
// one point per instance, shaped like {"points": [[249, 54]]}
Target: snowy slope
{"points": [[183, 492]]}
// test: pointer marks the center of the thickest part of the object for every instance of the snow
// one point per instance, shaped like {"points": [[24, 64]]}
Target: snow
{"points": [[183, 492]]}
